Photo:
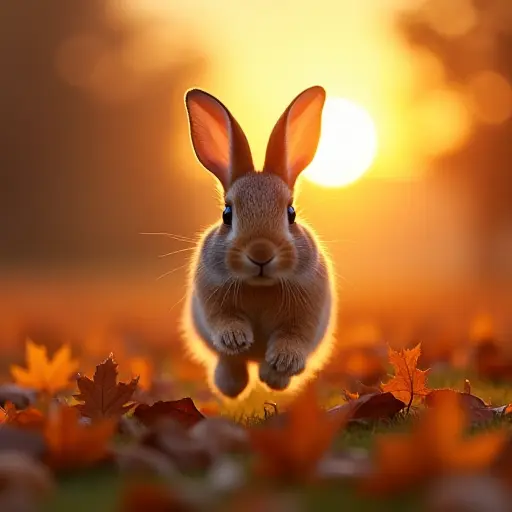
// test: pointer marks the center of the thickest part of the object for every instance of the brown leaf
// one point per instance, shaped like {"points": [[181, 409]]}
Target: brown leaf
{"points": [[71, 444], [292, 449], [476, 409], [370, 407], [183, 411], [103, 396], [408, 382]]}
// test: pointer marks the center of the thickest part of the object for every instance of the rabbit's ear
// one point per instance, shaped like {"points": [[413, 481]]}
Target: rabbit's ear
{"points": [[219, 142], [294, 139]]}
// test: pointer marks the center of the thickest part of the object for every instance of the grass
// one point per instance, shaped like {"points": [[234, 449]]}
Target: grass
{"points": [[99, 489]]}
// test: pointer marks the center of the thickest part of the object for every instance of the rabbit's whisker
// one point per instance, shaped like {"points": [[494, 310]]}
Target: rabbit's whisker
{"points": [[171, 271], [178, 238], [176, 252]]}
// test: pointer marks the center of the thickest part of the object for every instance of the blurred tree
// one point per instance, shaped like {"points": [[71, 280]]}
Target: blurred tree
{"points": [[87, 129], [471, 40]]}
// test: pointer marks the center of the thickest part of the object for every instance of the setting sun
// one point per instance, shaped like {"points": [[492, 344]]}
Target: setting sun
{"points": [[347, 147]]}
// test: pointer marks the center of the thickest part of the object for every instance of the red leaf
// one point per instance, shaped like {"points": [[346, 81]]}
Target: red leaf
{"points": [[183, 411]]}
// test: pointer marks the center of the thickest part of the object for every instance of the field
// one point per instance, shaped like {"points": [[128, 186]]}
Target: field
{"points": [[333, 446]]}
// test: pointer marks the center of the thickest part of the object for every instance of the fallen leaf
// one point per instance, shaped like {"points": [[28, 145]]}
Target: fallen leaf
{"points": [[291, 449], [47, 376], [370, 407], [476, 409], [183, 411], [30, 418], [72, 444], [103, 396], [436, 447], [408, 382]]}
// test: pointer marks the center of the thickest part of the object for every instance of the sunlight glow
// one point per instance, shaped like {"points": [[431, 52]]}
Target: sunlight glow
{"points": [[348, 144]]}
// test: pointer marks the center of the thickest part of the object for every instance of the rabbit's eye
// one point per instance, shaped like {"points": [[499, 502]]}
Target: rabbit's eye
{"points": [[227, 215], [291, 214]]}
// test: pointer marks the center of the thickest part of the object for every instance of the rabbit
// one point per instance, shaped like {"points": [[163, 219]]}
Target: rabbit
{"points": [[260, 285]]}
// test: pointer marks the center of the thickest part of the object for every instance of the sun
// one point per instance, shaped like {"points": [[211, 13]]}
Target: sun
{"points": [[347, 146]]}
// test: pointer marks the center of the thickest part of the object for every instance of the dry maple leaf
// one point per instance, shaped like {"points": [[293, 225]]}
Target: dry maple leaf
{"points": [[47, 376], [291, 451], [408, 382], [103, 396], [71, 444], [373, 406], [436, 447], [476, 409], [183, 411], [29, 418]]}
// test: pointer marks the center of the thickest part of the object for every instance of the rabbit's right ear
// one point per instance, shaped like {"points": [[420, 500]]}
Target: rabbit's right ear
{"points": [[219, 142]]}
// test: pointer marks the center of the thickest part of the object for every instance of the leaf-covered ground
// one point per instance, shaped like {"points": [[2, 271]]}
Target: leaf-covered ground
{"points": [[72, 441]]}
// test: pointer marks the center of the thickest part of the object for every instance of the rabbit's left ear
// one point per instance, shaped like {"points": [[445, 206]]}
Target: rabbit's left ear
{"points": [[294, 139]]}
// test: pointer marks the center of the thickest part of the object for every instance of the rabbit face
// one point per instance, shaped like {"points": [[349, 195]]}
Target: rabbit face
{"points": [[260, 230]]}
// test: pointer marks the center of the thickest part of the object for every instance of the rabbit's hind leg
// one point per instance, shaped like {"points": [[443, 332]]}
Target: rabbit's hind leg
{"points": [[231, 375], [272, 378]]}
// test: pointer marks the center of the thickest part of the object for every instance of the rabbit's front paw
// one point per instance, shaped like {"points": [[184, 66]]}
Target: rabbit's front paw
{"points": [[286, 359], [235, 338]]}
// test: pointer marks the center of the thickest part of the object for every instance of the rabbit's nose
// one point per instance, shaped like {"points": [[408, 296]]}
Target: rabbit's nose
{"points": [[260, 253]]}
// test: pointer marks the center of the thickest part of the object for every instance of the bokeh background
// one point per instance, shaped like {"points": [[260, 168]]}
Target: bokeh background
{"points": [[95, 150]]}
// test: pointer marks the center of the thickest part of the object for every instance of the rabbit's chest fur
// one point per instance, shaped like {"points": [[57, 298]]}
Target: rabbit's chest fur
{"points": [[266, 308]]}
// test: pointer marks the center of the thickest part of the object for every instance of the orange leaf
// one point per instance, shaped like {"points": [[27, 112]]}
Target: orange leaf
{"points": [[30, 418], [408, 382], [48, 376], [103, 396], [72, 444], [436, 447], [292, 451], [3, 415]]}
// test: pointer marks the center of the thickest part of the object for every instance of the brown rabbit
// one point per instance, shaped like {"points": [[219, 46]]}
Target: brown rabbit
{"points": [[261, 288]]}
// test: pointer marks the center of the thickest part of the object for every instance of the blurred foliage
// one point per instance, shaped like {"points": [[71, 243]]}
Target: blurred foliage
{"points": [[87, 112], [469, 43]]}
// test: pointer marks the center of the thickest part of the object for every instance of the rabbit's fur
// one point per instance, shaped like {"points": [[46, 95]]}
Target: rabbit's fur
{"points": [[261, 288]]}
